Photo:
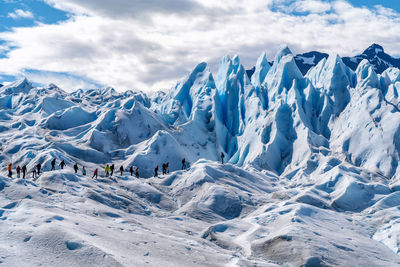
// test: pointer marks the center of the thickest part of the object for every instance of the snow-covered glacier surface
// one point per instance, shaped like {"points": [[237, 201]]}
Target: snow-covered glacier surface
{"points": [[311, 174]]}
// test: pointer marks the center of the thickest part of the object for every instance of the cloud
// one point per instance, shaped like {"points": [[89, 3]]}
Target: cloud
{"points": [[132, 9], [312, 6], [67, 82], [126, 52], [19, 13]]}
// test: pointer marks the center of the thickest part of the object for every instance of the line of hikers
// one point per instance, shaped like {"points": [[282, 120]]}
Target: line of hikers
{"points": [[109, 170], [165, 166], [37, 168], [165, 169], [35, 171]]}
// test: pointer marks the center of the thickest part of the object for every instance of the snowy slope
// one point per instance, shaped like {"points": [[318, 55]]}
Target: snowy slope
{"points": [[311, 179]]}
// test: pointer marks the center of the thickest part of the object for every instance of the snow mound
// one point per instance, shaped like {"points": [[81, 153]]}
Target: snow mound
{"points": [[69, 118]]}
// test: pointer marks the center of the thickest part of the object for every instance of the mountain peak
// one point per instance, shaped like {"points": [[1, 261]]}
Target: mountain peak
{"points": [[21, 82], [282, 51], [235, 60], [366, 76], [261, 69], [334, 58], [262, 59], [374, 49], [20, 86]]}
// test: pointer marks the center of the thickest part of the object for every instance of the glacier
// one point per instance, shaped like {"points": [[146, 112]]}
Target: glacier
{"points": [[311, 173]]}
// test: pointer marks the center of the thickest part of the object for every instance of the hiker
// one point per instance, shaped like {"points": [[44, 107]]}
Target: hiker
{"points": [[10, 170], [107, 170], [53, 164], [164, 168], [167, 167], [76, 167], [183, 163], [156, 171], [83, 171], [34, 173], [23, 171], [18, 171], [62, 164], [131, 170], [38, 166], [222, 157], [137, 172], [112, 169], [94, 173], [121, 169]]}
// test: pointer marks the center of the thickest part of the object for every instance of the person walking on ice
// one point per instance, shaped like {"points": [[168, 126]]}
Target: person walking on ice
{"points": [[137, 172], [95, 173], [131, 170], [34, 173], [38, 166], [156, 171], [62, 164], [53, 164], [121, 169], [10, 170], [183, 164], [222, 157], [23, 171], [107, 170], [18, 171], [83, 171], [76, 167], [112, 169]]}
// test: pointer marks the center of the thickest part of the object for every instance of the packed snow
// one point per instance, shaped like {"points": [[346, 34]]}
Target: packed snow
{"points": [[310, 174]]}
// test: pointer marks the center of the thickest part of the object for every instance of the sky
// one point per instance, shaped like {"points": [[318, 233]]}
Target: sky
{"points": [[149, 45]]}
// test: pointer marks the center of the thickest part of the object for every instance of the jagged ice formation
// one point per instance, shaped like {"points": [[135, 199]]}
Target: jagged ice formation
{"points": [[312, 177]]}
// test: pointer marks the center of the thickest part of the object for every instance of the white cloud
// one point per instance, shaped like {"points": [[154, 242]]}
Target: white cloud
{"points": [[313, 6], [133, 52], [19, 13], [66, 82]]}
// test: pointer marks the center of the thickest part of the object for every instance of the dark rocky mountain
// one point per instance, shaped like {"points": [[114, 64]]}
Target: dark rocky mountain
{"points": [[307, 60], [250, 72], [375, 54]]}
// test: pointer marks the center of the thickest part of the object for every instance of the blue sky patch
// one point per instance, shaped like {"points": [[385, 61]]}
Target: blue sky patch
{"points": [[41, 11], [393, 4]]}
